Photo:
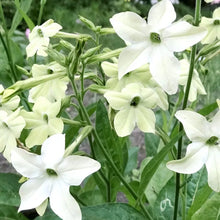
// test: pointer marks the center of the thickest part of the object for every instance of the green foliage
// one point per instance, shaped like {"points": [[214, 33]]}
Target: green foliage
{"points": [[10, 213]]}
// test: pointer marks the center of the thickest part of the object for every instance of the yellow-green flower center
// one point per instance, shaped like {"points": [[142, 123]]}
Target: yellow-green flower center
{"points": [[135, 101], [40, 32], [212, 140], [51, 172], [155, 37], [216, 22], [45, 117]]}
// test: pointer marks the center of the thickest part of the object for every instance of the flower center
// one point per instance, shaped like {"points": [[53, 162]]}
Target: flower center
{"points": [[216, 22], [212, 141], [134, 102], [45, 117], [49, 71], [51, 172], [5, 124], [155, 37], [40, 32]]}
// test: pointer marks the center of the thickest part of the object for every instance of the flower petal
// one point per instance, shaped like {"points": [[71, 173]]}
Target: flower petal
{"points": [[62, 203], [181, 35], [164, 67], [74, 169], [129, 26], [52, 150], [195, 125], [145, 119], [117, 100], [161, 14], [215, 124], [124, 121], [196, 157], [26, 163], [34, 192], [132, 57], [213, 168]]}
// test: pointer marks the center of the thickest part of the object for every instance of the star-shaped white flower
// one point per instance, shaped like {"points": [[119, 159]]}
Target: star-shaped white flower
{"points": [[40, 37], [133, 104], [50, 175], [43, 121], [11, 126], [204, 149], [154, 42], [54, 89], [213, 27]]}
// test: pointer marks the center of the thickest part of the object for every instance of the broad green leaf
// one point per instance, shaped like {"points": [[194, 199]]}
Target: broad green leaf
{"points": [[9, 188], [10, 213], [151, 143], [155, 185], [154, 163], [132, 159], [111, 211], [210, 209], [25, 6], [164, 205], [48, 215], [194, 183], [28, 21], [93, 197], [200, 198]]}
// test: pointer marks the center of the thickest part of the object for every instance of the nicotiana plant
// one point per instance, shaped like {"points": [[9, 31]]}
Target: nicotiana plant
{"points": [[70, 89]]}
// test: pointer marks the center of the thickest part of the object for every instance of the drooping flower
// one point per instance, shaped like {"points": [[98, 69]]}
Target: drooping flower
{"points": [[133, 104], [50, 175], [154, 42], [204, 149], [213, 27], [11, 104], [196, 84], [53, 89], [40, 37], [42, 121], [140, 75], [11, 125]]}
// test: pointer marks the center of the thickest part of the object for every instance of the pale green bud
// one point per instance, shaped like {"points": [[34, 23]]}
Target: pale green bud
{"points": [[67, 45], [88, 23], [90, 52], [57, 56], [104, 31], [22, 71], [77, 36]]}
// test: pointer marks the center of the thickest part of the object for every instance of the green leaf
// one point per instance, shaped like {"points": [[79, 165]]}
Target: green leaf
{"points": [[25, 6], [111, 211], [9, 188], [154, 163], [208, 109], [155, 185], [28, 21], [151, 143], [210, 209], [132, 159], [164, 205], [200, 198], [10, 213], [93, 197]]}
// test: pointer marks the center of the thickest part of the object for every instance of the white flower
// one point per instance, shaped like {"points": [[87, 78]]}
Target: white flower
{"points": [[43, 121], [196, 84], [53, 89], [204, 149], [11, 126], [40, 37], [50, 175], [155, 42], [133, 104], [140, 75], [213, 27]]}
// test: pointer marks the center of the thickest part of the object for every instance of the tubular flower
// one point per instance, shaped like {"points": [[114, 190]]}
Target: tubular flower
{"points": [[154, 42], [11, 126], [133, 104], [204, 149], [213, 27], [42, 121], [53, 89], [40, 37], [50, 175], [196, 84]]}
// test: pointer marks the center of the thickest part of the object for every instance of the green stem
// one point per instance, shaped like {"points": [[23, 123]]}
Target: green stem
{"points": [[42, 4], [189, 80]]}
